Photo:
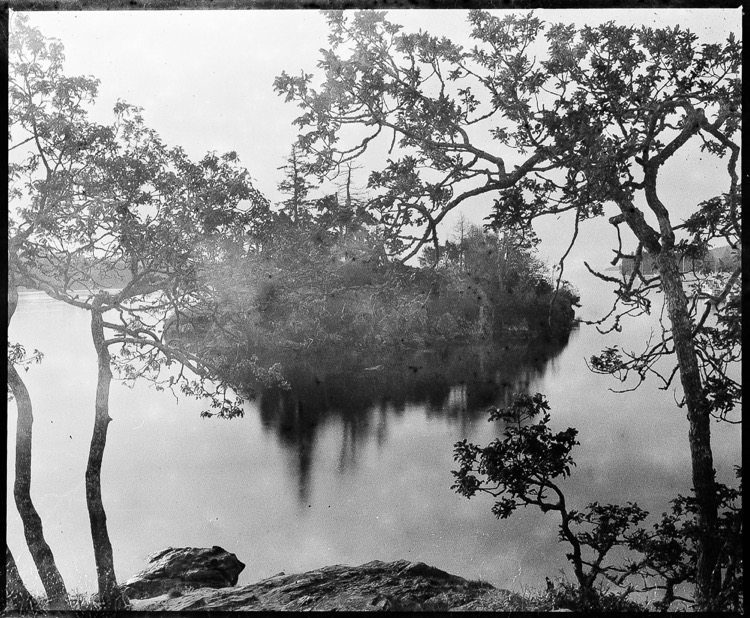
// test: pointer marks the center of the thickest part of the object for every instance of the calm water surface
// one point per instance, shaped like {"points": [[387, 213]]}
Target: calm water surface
{"points": [[349, 466]]}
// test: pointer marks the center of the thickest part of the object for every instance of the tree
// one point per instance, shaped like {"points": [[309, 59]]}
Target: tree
{"points": [[525, 467], [106, 207], [297, 186], [589, 127], [30, 60], [32, 523], [503, 280]]}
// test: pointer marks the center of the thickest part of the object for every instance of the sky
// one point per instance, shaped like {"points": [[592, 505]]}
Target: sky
{"points": [[205, 81]]}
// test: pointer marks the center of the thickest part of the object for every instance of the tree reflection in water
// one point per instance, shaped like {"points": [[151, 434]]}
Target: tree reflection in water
{"points": [[362, 392]]}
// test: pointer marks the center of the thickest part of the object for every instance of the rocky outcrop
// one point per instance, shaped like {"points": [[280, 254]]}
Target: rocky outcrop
{"points": [[175, 570], [375, 586]]}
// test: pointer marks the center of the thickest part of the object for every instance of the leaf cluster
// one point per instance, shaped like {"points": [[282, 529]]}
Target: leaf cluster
{"points": [[521, 468]]}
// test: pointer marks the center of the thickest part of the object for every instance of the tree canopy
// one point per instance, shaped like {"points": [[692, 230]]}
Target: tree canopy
{"points": [[546, 119], [542, 119]]}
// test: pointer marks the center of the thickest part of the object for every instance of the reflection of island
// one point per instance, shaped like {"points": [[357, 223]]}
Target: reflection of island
{"points": [[361, 393]]}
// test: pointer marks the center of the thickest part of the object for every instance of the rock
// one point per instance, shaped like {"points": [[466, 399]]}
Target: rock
{"points": [[495, 600], [175, 570], [374, 586]]}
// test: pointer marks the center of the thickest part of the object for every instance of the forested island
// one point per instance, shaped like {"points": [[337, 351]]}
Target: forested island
{"points": [[310, 285], [316, 279]]}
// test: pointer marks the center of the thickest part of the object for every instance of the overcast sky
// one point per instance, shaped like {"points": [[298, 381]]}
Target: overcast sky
{"points": [[204, 79]]}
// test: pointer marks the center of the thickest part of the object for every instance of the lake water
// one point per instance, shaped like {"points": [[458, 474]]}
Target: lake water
{"points": [[348, 467]]}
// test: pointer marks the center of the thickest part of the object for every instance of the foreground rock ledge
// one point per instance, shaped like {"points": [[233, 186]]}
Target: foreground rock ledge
{"points": [[178, 569], [375, 586]]}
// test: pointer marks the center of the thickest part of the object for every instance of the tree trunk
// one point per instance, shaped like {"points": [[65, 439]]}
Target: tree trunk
{"points": [[17, 596], [109, 592], [32, 523], [707, 578]]}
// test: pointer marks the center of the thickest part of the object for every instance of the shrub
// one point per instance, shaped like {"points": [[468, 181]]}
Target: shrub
{"points": [[523, 468]]}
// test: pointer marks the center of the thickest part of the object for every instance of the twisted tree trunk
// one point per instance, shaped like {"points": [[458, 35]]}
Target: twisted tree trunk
{"points": [[708, 576], [33, 530], [109, 591], [661, 245]]}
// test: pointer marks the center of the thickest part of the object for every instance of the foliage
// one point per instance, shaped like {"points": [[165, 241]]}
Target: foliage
{"points": [[501, 272], [669, 549], [315, 291], [600, 101], [506, 462], [318, 277], [525, 468], [297, 186], [122, 208], [552, 119], [565, 595], [17, 356]]}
